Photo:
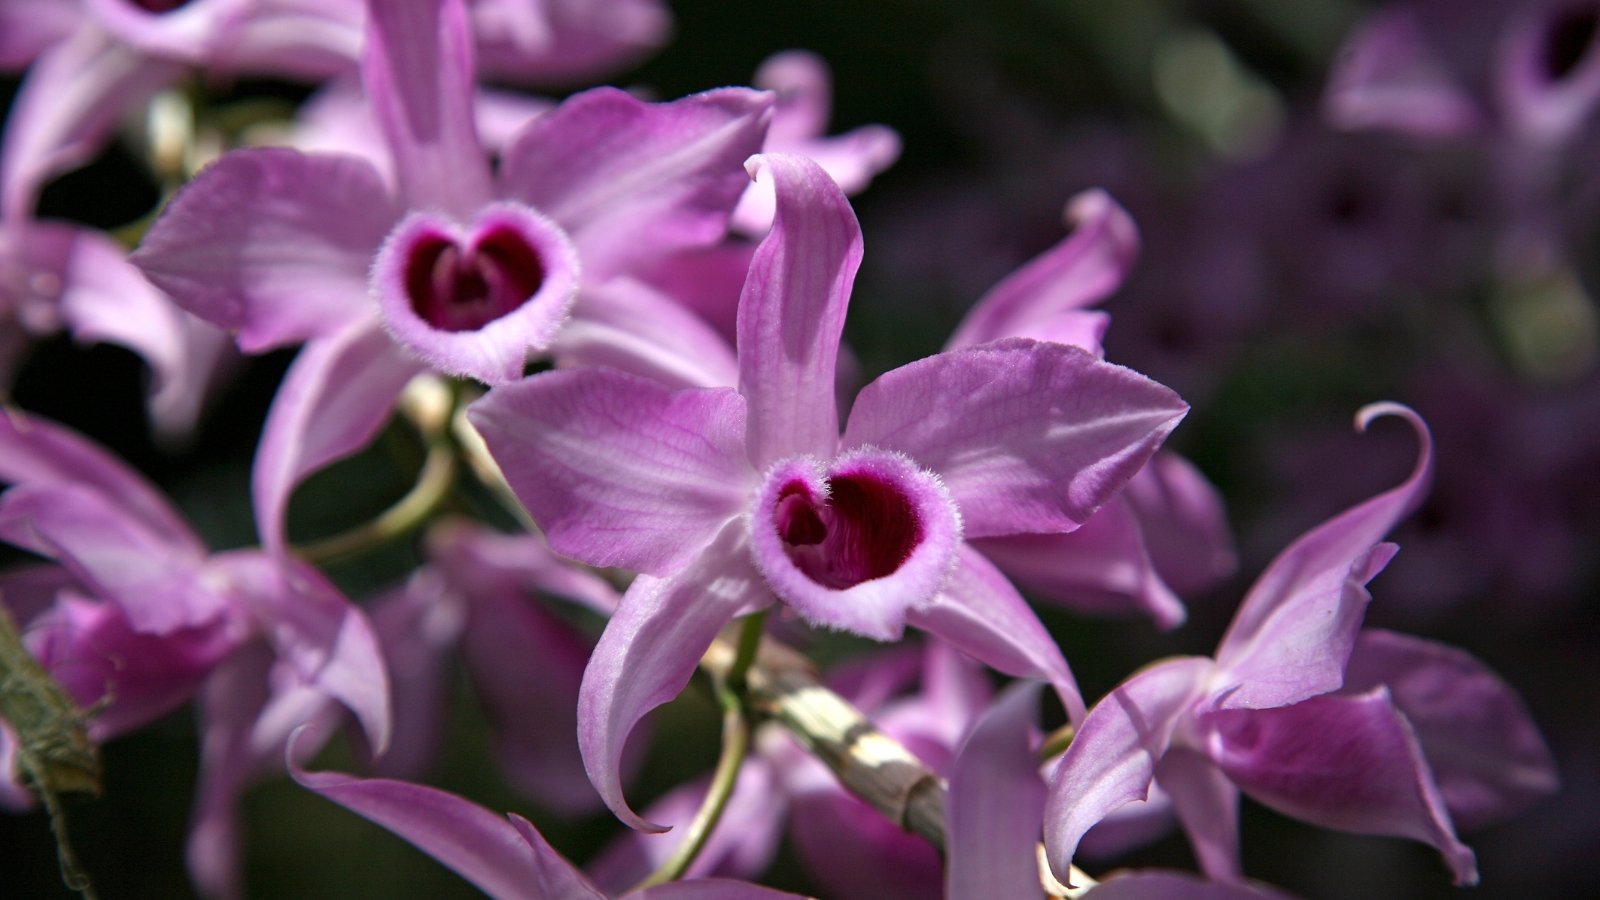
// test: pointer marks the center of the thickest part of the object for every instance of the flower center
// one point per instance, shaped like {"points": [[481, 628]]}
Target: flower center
{"points": [[865, 528], [461, 290], [159, 6]]}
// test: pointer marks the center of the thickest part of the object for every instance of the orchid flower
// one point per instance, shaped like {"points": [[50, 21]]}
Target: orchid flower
{"points": [[146, 617], [452, 267], [1263, 716], [723, 498]]}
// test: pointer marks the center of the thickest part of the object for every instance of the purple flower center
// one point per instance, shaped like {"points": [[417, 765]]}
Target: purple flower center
{"points": [[1568, 38], [159, 6], [865, 528], [462, 290]]}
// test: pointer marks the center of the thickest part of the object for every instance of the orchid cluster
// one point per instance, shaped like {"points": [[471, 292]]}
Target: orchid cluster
{"points": [[607, 331]]}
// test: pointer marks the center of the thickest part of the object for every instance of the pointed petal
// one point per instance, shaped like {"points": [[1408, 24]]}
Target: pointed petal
{"points": [[996, 802], [1293, 632], [417, 69], [633, 182], [1112, 759], [37, 451], [649, 650], [1387, 77], [1207, 805], [230, 702], [1045, 299], [566, 42], [792, 311], [981, 614], [71, 101], [1351, 763], [1029, 437], [272, 243], [418, 626], [156, 582], [620, 471], [487, 849], [1184, 524], [337, 394], [628, 325], [328, 641], [1483, 747], [1102, 569]]}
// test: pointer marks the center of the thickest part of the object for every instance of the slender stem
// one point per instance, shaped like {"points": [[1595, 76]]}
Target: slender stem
{"points": [[731, 684], [1057, 742]]}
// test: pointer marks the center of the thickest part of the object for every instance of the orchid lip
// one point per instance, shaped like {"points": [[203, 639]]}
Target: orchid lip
{"points": [[854, 543], [477, 300]]}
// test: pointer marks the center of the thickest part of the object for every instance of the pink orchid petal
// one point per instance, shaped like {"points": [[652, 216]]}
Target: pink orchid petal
{"points": [[230, 702], [650, 649], [1102, 569], [272, 243], [36, 451], [1183, 522], [185, 32], [337, 394], [491, 851], [418, 72], [741, 846], [1152, 884], [30, 590], [792, 311], [92, 650], [566, 40], [996, 802], [1293, 632], [478, 560], [329, 642], [1112, 760], [853, 853], [617, 470], [156, 582], [1351, 763], [1029, 437], [73, 98], [1045, 299], [296, 39], [712, 889], [1207, 805], [633, 182], [1388, 77], [980, 613], [629, 325], [29, 27], [1481, 743]]}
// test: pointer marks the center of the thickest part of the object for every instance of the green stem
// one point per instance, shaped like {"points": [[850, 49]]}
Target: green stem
{"points": [[731, 696], [410, 511], [1057, 742]]}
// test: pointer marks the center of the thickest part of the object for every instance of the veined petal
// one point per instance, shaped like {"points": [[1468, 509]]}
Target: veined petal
{"points": [[566, 41], [629, 325], [1481, 743], [1112, 759], [633, 182], [1183, 521], [491, 851], [418, 72], [1351, 763], [37, 451], [649, 650], [1101, 569], [72, 99], [996, 802], [1317, 575], [980, 613], [337, 394], [792, 310], [617, 470], [1045, 299], [272, 243], [1029, 437]]}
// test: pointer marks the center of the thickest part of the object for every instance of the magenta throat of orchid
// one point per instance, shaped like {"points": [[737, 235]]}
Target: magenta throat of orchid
{"points": [[158, 6], [866, 528], [462, 290]]}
